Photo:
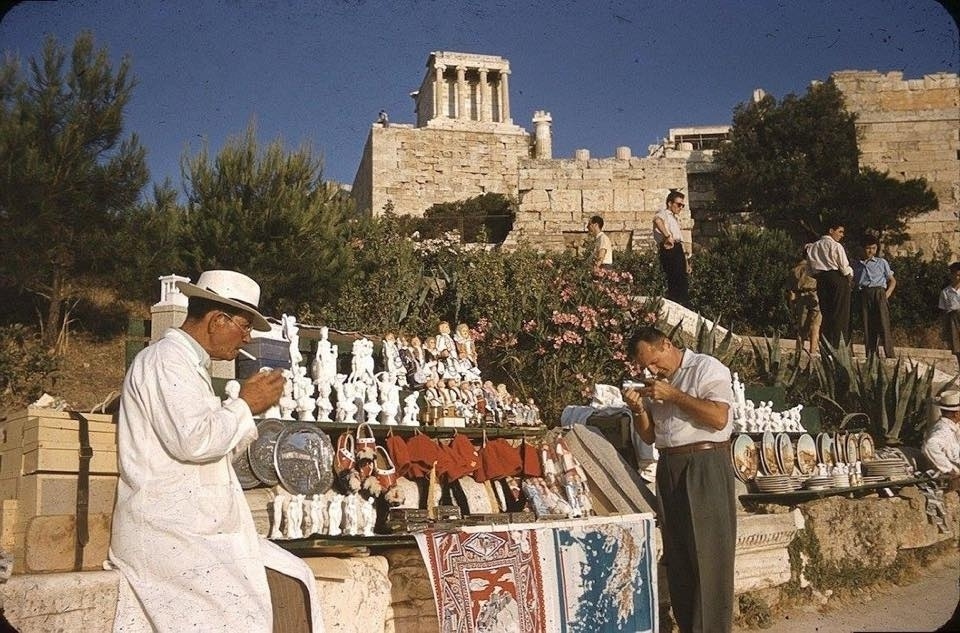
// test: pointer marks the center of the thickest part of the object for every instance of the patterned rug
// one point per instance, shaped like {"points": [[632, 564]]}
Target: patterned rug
{"points": [[576, 576]]}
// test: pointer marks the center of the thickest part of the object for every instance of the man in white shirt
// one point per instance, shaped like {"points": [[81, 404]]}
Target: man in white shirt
{"points": [[687, 410], [602, 247], [674, 260], [829, 265], [941, 444]]}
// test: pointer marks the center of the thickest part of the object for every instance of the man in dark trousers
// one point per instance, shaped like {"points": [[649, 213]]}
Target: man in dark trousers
{"points": [[875, 282], [686, 409], [674, 260], [829, 265]]}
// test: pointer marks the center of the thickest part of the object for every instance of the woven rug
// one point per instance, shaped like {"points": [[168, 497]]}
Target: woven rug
{"points": [[576, 576]]}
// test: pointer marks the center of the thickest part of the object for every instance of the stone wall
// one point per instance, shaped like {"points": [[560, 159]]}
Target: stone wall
{"points": [[911, 128], [411, 168], [558, 196]]}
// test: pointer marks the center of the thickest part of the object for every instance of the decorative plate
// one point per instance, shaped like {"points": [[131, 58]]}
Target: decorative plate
{"points": [[746, 458], [806, 454], [304, 459], [825, 449], [241, 466], [261, 451], [785, 453], [768, 454], [852, 448], [840, 447], [867, 451]]}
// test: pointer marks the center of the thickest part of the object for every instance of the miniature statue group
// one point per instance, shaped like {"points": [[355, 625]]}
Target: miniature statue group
{"points": [[299, 516], [748, 417], [443, 370]]}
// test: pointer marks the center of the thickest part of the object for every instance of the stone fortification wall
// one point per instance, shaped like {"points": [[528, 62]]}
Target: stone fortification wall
{"points": [[558, 197], [411, 168], [911, 128]]}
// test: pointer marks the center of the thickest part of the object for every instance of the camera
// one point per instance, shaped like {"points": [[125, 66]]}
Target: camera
{"points": [[633, 384]]}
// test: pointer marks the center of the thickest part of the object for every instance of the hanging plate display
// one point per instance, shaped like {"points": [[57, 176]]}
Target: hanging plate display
{"points": [[241, 466], [261, 451], [806, 454], [768, 454], [304, 459], [746, 458]]}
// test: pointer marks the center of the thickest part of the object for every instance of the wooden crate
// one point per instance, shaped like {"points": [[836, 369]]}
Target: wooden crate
{"points": [[53, 493], [53, 458]]}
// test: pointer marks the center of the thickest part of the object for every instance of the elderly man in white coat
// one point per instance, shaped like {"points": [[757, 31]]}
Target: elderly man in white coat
{"points": [[183, 536], [942, 442]]}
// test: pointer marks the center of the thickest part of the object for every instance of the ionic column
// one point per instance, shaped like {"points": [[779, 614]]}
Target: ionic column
{"points": [[461, 90], [438, 93], [505, 97], [484, 105]]}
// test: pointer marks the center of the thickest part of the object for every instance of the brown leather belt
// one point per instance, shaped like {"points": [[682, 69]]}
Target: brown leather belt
{"points": [[693, 448]]}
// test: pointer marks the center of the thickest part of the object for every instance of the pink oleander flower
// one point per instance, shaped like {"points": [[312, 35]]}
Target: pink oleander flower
{"points": [[529, 326]]}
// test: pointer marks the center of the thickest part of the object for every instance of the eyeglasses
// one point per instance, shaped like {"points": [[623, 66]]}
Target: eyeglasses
{"points": [[246, 329], [679, 204]]}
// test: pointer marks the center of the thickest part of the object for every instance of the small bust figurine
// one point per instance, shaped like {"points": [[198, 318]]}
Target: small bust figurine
{"points": [[232, 391]]}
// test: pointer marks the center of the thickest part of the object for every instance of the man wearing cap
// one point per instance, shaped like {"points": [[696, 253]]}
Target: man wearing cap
{"points": [[687, 411], [941, 444], [182, 536]]}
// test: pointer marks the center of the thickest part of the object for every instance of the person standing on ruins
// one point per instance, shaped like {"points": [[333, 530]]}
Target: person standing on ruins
{"points": [[829, 265], [686, 410], [602, 247], [804, 305], [674, 260], [182, 536], [875, 282]]}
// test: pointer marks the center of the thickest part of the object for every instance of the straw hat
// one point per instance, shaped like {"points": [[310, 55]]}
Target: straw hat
{"points": [[229, 288], [948, 401]]}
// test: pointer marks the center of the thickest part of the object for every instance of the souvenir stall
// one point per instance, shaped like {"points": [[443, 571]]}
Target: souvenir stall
{"points": [[387, 442], [780, 462]]}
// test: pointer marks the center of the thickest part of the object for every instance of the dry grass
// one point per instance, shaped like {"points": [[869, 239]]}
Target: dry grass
{"points": [[89, 371]]}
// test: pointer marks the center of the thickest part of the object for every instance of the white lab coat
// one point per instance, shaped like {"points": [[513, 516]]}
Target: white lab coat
{"points": [[942, 446], [183, 537]]}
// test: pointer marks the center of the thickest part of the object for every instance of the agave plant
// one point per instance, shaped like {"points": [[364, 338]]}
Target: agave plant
{"points": [[894, 398]]}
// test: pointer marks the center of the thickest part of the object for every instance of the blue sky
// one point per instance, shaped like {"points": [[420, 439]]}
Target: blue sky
{"points": [[611, 72]]}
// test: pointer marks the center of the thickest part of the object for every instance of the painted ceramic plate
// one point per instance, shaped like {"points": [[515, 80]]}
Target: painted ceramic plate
{"points": [[304, 459], [768, 454], [839, 447], [852, 448], [867, 451], [806, 454], [261, 451], [746, 458], [825, 449], [241, 466], [785, 454]]}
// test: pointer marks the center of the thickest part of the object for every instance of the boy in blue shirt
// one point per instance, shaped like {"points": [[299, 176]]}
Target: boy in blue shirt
{"points": [[875, 281]]}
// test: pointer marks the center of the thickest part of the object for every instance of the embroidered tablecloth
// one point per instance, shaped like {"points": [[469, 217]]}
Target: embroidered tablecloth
{"points": [[584, 575]]}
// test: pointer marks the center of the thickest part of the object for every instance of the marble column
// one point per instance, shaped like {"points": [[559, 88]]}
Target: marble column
{"points": [[461, 92], [483, 91], [505, 96], [439, 103]]}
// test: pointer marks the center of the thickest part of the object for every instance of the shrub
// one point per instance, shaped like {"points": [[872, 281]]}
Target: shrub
{"points": [[24, 365]]}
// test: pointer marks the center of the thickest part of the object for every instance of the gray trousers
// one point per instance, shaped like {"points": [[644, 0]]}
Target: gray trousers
{"points": [[698, 523], [876, 320]]}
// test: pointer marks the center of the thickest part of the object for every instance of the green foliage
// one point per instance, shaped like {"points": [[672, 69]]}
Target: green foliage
{"points": [[269, 214], [796, 162], [484, 218], [893, 398], [25, 365], [68, 175], [742, 279], [914, 302]]}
